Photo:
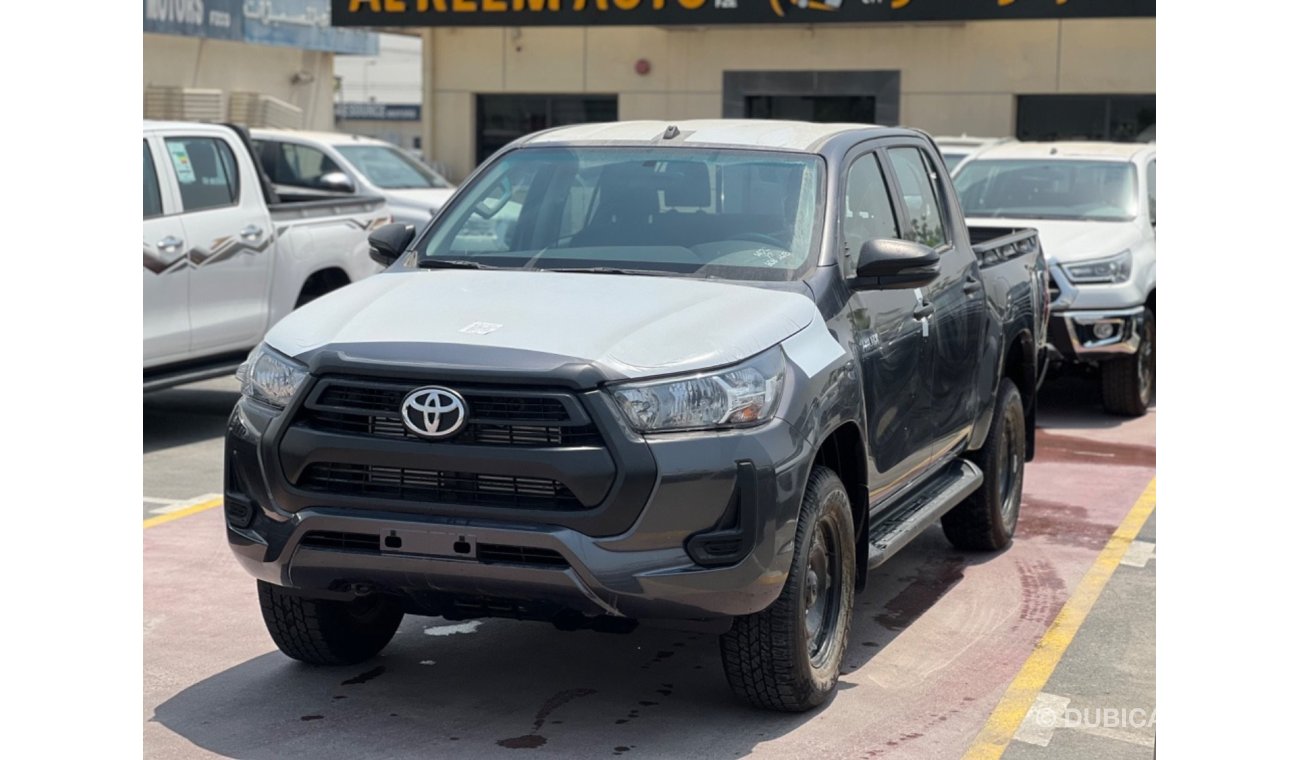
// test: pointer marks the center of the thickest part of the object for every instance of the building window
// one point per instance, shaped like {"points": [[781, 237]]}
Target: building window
{"points": [[824, 109], [1121, 118], [503, 118]]}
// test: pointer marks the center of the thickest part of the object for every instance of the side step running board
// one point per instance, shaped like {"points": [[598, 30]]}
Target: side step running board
{"points": [[893, 530]]}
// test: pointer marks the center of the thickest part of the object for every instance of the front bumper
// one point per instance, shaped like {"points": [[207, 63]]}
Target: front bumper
{"points": [[711, 537], [1096, 334]]}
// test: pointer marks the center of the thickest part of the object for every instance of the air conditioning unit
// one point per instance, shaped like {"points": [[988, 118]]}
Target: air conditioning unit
{"points": [[184, 104]]}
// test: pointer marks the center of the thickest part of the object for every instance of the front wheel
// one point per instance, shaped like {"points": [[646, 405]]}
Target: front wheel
{"points": [[1129, 383], [788, 656], [328, 632]]}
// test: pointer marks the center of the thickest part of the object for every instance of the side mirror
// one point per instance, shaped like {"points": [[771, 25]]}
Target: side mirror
{"points": [[895, 265], [337, 182], [390, 241]]}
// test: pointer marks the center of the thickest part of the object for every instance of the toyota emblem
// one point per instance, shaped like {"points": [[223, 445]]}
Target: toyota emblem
{"points": [[434, 412]]}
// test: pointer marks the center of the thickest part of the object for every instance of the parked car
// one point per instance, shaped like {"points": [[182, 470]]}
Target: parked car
{"points": [[331, 164], [225, 258], [957, 149], [1094, 205], [715, 372]]}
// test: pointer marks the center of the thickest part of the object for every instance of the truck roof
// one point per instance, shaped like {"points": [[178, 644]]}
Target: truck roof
{"points": [[740, 133], [328, 138], [1098, 151]]}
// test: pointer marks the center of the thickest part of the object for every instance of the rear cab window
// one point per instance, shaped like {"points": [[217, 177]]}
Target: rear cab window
{"points": [[205, 172]]}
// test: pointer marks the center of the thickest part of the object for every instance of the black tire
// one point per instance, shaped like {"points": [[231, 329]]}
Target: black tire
{"points": [[1129, 383], [767, 656], [986, 520], [328, 632]]}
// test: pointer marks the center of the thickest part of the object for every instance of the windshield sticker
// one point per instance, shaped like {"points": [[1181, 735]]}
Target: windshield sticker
{"points": [[181, 162], [480, 328]]}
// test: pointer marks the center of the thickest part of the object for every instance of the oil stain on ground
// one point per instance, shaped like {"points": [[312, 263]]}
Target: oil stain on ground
{"points": [[534, 740]]}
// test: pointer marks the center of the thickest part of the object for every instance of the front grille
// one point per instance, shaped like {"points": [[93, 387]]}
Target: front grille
{"points": [[361, 407], [438, 486]]}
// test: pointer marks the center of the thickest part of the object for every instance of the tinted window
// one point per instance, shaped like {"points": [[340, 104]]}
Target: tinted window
{"points": [[290, 164], [1048, 189], [389, 168], [152, 198], [868, 214], [699, 212], [916, 178], [205, 170]]}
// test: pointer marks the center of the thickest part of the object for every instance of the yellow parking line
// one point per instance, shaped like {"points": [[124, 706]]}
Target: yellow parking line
{"points": [[178, 514], [1020, 695]]}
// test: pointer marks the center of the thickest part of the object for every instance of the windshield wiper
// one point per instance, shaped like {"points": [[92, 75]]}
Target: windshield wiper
{"points": [[610, 270], [452, 264]]}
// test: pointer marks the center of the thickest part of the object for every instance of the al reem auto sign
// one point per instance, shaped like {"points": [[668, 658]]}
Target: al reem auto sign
{"points": [[713, 12]]}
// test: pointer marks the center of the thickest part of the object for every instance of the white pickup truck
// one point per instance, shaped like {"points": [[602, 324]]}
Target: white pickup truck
{"points": [[1094, 205], [224, 259]]}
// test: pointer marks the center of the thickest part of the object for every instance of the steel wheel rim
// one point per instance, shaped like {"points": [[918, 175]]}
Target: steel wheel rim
{"points": [[823, 583], [1012, 466]]}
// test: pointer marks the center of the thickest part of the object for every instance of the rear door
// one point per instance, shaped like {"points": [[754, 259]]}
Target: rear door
{"points": [[230, 238], [955, 301], [892, 346], [166, 265]]}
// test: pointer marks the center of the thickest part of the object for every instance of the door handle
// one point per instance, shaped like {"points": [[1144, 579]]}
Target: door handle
{"points": [[972, 285], [170, 244], [251, 232], [923, 310]]}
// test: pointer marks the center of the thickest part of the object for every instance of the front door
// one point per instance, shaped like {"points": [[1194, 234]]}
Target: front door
{"points": [[230, 240], [956, 297], [166, 271], [893, 345]]}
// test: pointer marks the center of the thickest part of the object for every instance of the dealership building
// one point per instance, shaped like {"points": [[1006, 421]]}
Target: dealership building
{"points": [[1034, 69]]}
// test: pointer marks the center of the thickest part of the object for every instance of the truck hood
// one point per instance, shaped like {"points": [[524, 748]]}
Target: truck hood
{"points": [[1071, 241], [430, 198], [628, 326]]}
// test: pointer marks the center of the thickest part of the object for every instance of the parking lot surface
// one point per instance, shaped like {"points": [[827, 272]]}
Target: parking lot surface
{"points": [[937, 638]]}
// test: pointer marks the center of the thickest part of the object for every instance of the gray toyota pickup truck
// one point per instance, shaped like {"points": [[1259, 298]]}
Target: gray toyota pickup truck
{"points": [[697, 373]]}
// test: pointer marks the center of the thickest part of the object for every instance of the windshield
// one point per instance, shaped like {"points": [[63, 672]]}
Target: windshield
{"points": [[699, 212], [391, 169], [1048, 189]]}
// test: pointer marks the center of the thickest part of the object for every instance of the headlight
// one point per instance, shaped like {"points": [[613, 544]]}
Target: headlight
{"points": [[1111, 269], [745, 394], [270, 377]]}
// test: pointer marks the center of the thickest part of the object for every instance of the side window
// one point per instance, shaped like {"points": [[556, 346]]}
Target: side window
{"points": [[868, 214], [1151, 190], [152, 198], [299, 165], [916, 177], [205, 170]]}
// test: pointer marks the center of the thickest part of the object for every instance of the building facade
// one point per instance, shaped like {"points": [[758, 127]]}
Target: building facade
{"points": [[1034, 69], [255, 62]]}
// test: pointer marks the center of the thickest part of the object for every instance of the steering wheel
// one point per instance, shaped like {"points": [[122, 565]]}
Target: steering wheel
{"points": [[759, 237]]}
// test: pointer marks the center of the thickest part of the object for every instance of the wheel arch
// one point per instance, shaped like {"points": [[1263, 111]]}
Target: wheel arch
{"points": [[844, 451], [320, 282]]}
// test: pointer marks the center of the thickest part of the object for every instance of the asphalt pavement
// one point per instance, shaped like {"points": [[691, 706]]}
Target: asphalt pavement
{"points": [[938, 638]]}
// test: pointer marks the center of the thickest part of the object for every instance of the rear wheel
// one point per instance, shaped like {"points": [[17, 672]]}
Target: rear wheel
{"points": [[1129, 383], [788, 656], [986, 520], [325, 631]]}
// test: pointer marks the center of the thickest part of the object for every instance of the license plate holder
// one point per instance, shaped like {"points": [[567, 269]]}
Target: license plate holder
{"points": [[429, 543]]}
